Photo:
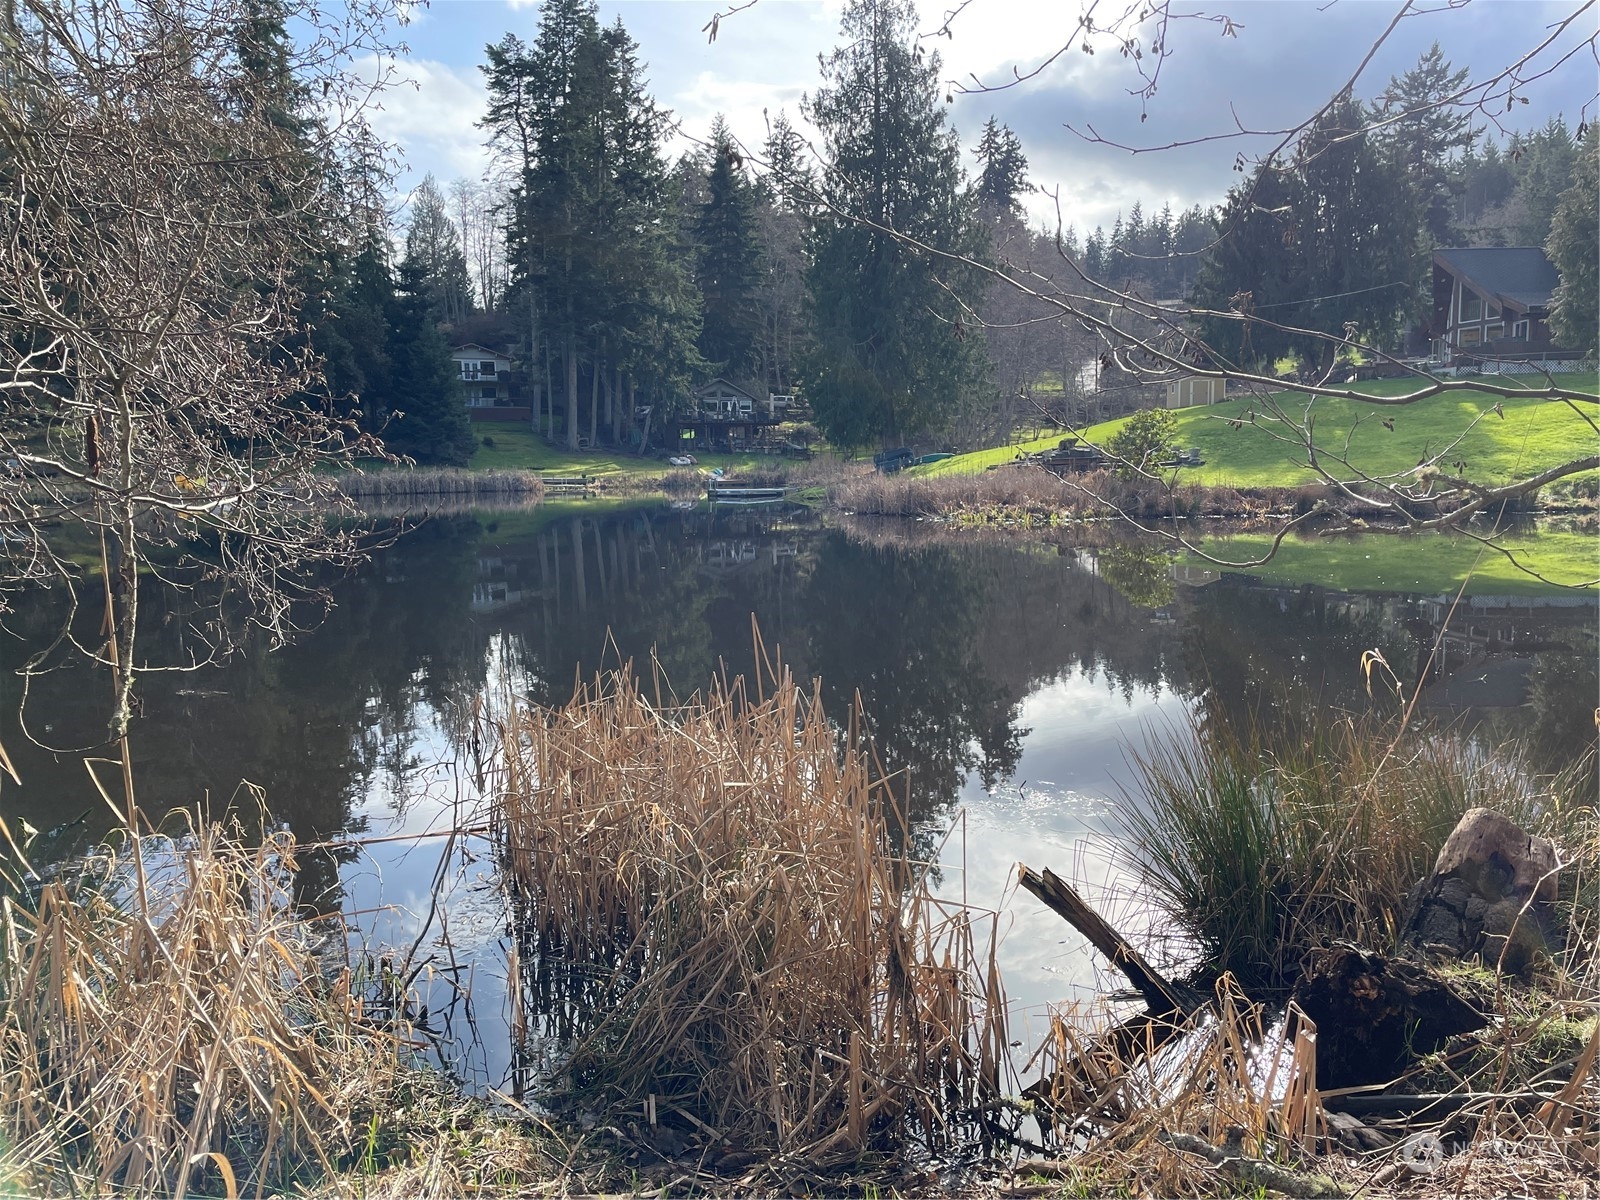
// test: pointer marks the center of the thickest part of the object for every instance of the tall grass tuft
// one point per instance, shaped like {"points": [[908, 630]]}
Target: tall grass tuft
{"points": [[190, 1043], [717, 925], [1262, 848]]}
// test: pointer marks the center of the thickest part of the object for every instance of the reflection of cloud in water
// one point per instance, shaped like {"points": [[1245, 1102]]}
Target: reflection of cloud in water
{"points": [[1058, 811]]}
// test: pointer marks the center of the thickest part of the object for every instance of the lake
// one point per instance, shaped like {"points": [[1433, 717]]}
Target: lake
{"points": [[1008, 677]]}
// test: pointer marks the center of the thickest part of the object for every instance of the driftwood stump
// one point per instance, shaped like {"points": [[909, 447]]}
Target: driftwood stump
{"points": [[1377, 1015]]}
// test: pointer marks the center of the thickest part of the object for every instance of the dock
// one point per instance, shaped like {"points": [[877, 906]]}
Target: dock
{"points": [[726, 493], [567, 483]]}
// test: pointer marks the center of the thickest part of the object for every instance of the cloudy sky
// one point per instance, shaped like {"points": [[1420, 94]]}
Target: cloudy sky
{"points": [[1270, 64]]}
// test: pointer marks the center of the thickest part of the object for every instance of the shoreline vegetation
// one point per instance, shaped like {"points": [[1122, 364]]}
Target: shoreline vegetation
{"points": [[1248, 474], [754, 993]]}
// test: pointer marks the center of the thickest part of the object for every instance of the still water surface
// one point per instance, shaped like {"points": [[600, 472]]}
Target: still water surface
{"points": [[1010, 681]]}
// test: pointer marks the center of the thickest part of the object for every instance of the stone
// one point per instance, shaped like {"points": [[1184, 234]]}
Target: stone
{"points": [[1491, 894]]}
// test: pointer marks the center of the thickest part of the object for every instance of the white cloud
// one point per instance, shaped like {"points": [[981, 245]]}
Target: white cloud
{"points": [[433, 118]]}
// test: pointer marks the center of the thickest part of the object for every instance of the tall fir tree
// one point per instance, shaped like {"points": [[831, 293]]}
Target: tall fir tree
{"points": [[1322, 242], [1574, 236], [1427, 137], [790, 180], [428, 417], [730, 260], [1003, 181], [895, 357], [434, 244]]}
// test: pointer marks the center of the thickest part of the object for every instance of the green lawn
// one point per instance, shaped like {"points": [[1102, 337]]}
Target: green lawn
{"points": [[1532, 435], [519, 448], [1430, 564]]}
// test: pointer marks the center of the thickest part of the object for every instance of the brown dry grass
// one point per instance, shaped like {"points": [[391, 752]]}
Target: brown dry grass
{"points": [[717, 920], [1025, 491], [1232, 1075], [189, 1042], [452, 484]]}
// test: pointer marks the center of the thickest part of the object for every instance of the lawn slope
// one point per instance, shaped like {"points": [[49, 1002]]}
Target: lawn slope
{"points": [[1531, 436]]}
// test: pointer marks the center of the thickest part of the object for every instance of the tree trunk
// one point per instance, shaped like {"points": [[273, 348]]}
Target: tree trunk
{"points": [[571, 363], [617, 415], [594, 399]]}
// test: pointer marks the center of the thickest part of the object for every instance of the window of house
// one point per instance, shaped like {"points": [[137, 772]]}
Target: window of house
{"points": [[1494, 310], [488, 393], [1493, 332], [486, 368], [1471, 337], [1520, 331], [1471, 305]]}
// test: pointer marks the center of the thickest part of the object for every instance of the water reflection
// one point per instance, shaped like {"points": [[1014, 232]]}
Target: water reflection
{"points": [[1003, 678]]}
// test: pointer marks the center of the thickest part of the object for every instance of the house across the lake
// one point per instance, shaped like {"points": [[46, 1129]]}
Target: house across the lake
{"points": [[729, 416], [1493, 303], [487, 387]]}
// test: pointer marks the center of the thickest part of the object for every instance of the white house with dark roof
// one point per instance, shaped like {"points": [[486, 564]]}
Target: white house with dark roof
{"points": [[485, 375], [1492, 301]]}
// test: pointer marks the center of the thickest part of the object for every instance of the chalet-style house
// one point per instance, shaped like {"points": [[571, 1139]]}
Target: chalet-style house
{"points": [[486, 384], [1492, 302], [728, 416]]}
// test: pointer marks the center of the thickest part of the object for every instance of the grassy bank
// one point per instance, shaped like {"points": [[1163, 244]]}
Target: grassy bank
{"points": [[515, 447], [1432, 564], [1533, 434]]}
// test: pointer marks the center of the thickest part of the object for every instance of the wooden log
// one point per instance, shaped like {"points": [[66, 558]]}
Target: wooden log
{"points": [[1160, 994], [1253, 1172]]}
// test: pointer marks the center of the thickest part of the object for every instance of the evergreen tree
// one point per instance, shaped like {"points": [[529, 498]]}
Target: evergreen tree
{"points": [[433, 244], [429, 419], [730, 266], [1325, 242], [790, 181], [1094, 254], [786, 195], [352, 334], [594, 240], [1004, 179], [1426, 135], [1543, 169], [1574, 236], [894, 357]]}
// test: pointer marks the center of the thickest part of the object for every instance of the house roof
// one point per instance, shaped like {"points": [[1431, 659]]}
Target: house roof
{"points": [[742, 389], [480, 349], [1519, 275]]}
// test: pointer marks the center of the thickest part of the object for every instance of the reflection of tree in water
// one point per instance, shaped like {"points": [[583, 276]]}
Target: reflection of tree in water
{"points": [[900, 629], [1143, 574], [309, 724], [1271, 657], [1564, 687]]}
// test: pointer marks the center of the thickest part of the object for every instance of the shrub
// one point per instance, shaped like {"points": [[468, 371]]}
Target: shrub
{"points": [[1144, 439]]}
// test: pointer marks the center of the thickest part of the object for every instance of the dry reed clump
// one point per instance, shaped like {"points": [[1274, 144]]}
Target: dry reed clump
{"points": [[719, 930], [1116, 1102], [188, 1040], [1027, 491], [440, 483]]}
